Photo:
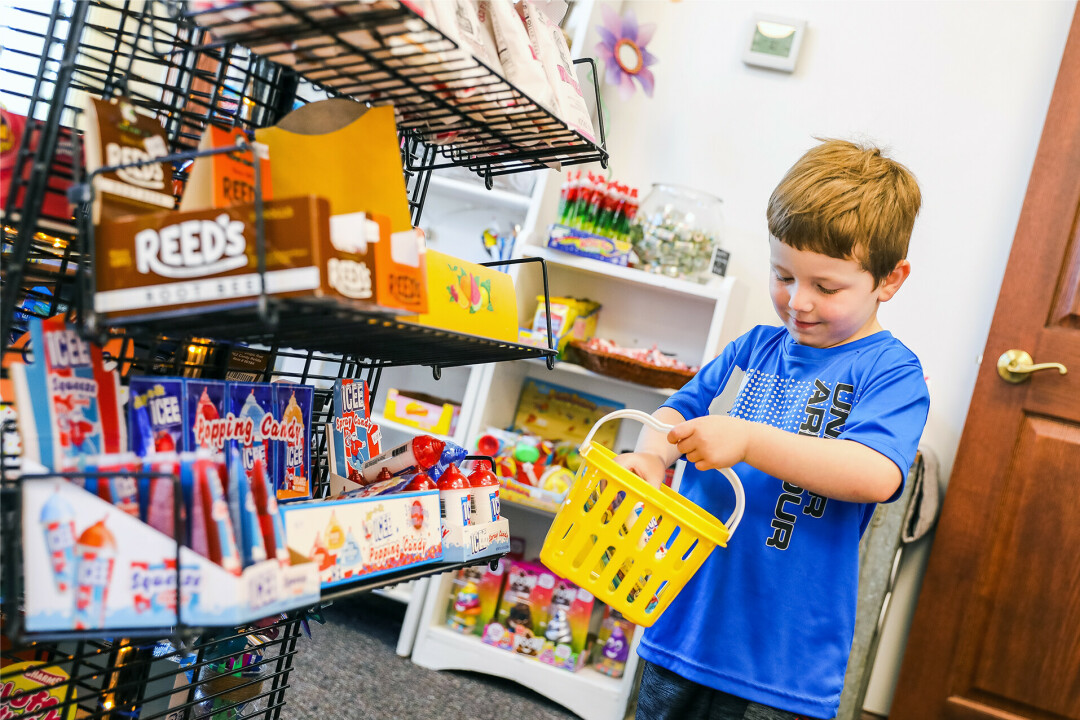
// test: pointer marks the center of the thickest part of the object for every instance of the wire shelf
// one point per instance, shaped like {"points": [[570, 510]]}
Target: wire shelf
{"points": [[382, 53]]}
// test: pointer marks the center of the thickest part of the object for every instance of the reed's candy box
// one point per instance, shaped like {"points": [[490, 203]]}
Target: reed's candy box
{"points": [[522, 613], [567, 628], [156, 415], [291, 438]]}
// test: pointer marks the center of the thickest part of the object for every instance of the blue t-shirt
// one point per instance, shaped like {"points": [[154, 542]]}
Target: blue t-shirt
{"points": [[770, 618]]}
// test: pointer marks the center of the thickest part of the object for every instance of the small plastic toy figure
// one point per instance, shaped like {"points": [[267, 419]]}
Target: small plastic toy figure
{"points": [[558, 629], [466, 607]]}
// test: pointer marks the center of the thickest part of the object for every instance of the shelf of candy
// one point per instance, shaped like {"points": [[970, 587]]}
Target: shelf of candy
{"points": [[490, 84], [297, 250], [100, 523], [388, 512], [533, 472], [594, 219], [524, 608]]}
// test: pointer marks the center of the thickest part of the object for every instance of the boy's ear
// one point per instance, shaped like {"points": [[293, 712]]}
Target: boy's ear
{"points": [[893, 281]]}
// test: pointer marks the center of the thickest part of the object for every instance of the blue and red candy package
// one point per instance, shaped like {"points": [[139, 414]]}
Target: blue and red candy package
{"points": [[156, 415]]}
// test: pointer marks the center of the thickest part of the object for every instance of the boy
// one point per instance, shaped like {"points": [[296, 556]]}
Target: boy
{"points": [[820, 418]]}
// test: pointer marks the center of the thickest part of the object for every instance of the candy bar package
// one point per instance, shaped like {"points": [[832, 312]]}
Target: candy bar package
{"points": [[69, 404], [355, 438], [155, 415], [612, 647], [242, 511], [550, 43], [157, 504], [204, 412], [523, 609], [120, 490], [566, 628], [292, 441], [248, 404]]}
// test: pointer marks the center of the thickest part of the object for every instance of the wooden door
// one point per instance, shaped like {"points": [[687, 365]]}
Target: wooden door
{"points": [[996, 632]]}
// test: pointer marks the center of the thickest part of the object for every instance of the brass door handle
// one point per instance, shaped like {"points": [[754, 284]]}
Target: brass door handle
{"points": [[1015, 366]]}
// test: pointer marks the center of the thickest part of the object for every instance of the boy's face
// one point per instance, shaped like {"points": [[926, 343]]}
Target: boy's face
{"points": [[824, 301]]}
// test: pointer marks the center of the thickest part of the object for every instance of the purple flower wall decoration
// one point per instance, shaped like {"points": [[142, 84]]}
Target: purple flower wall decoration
{"points": [[622, 47]]}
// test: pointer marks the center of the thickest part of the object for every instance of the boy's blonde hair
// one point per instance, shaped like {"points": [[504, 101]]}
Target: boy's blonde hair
{"points": [[847, 202]]}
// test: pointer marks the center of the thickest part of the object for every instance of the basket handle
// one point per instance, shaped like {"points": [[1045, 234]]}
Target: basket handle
{"points": [[647, 419]]}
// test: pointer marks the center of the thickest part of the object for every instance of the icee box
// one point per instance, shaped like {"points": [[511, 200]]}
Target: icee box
{"points": [[357, 537], [89, 565]]}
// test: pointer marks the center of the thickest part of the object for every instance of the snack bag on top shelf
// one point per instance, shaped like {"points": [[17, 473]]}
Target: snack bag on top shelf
{"points": [[550, 43], [519, 58]]}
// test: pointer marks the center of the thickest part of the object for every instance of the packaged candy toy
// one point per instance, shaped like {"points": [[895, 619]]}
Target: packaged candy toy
{"points": [[613, 643], [421, 452], [465, 609], [522, 613], [567, 628]]}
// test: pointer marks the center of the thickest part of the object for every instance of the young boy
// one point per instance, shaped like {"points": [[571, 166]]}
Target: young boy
{"points": [[820, 418]]}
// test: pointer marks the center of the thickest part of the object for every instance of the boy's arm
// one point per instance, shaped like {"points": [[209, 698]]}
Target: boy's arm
{"points": [[654, 453], [834, 468]]}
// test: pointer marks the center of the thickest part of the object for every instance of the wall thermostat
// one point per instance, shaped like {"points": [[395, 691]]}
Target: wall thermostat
{"points": [[774, 42]]}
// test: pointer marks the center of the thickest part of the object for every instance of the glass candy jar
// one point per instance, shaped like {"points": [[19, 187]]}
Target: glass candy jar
{"points": [[676, 231]]}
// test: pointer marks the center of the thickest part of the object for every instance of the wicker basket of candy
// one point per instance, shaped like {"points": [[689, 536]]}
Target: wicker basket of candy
{"points": [[649, 367]]}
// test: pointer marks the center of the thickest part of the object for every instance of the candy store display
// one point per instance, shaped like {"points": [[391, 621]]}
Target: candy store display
{"points": [[678, 232], [524, 608]]}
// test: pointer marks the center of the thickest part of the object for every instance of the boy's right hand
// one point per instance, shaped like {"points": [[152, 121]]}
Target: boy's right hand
{"points": [[647, 466]]}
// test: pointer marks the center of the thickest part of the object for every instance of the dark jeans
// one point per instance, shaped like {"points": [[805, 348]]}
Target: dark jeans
{"points": [[664, 695]]}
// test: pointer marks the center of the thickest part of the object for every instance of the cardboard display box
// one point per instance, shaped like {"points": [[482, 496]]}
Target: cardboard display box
{"points": [[190, 260], [360, 537], [91, 566]]}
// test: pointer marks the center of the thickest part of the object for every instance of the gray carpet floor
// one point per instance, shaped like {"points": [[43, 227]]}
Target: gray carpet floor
{"points": [[349, 670]]}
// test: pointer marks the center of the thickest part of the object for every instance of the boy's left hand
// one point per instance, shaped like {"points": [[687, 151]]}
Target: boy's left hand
{"points": [[712, 442]]}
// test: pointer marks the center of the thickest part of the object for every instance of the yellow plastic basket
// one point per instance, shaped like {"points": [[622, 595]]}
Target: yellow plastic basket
{"points": [[631, 545]]}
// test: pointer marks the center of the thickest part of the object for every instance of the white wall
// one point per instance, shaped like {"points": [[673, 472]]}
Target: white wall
{"points": [[957, 91]]}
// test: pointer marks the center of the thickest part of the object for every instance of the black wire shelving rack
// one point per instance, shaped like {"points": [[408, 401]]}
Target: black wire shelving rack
{"points": [[189, 69]]}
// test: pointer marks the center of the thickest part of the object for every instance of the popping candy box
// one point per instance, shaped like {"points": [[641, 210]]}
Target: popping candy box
{"points": [[566, 630], [156, 415], [290, 437], [355, 438], [523, 609], [69, 404], [356, 537], [247, 405], [204, 415]]}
